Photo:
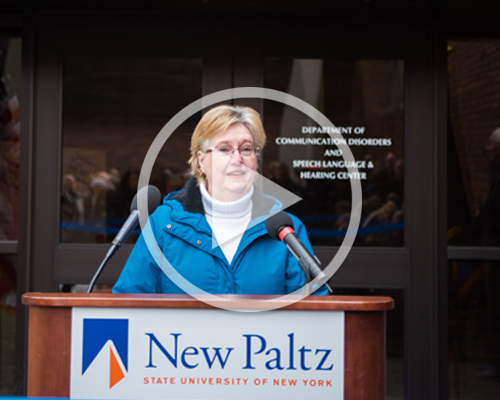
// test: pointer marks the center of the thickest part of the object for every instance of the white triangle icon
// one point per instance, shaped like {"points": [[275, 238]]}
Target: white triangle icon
{"points": [[226, 230]]}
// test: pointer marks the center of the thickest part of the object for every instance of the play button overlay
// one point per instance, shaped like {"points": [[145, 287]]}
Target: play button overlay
{"points": [[267, 187]]}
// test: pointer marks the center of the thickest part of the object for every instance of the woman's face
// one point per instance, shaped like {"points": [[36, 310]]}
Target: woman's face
{"points": [[229, 176]]}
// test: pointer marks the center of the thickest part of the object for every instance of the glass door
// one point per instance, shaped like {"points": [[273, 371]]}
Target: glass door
{"points": [[104, 95], [375, 99], [474, 216]]}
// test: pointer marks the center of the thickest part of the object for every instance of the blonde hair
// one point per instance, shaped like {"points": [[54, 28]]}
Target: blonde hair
{"points": [[216, 121]]}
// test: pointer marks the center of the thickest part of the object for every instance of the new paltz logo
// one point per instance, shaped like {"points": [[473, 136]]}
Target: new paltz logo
{"points": [[103, 334]]}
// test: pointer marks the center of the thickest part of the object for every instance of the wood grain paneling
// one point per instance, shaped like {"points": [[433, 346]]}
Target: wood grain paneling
{"points": [[49, 342]]}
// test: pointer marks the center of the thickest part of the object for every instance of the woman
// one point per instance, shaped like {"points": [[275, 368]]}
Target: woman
{"points": [[213, 231]]}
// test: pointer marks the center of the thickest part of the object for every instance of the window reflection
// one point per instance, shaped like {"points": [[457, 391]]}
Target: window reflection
{"points": [[113, 109], [364, 100], [10, 126], [474, 143]]}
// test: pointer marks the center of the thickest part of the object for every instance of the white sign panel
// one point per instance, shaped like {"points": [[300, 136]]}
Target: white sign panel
{"points": [[119, 353]]}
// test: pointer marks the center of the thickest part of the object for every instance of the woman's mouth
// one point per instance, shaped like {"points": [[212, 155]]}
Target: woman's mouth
{"points": [[236, 173]]}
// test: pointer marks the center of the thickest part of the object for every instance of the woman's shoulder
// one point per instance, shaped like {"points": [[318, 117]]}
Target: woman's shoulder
{"points": [[188, 198]]}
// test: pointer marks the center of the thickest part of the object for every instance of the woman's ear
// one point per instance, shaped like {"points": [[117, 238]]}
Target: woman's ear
{"points": [[201, 159]]}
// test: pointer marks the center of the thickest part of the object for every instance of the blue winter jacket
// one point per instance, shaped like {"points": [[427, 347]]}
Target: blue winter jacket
{"points": [[261, 265]]}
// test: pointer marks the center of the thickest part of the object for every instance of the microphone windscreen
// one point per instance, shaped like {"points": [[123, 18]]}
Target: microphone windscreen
{"points": [[276, 223], [154, 198]]}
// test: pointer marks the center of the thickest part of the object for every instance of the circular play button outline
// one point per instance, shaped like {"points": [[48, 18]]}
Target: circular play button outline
{"points": [[272, 302]]}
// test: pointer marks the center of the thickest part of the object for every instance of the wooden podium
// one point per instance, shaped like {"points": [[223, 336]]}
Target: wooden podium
{"points": [[50, 322]]}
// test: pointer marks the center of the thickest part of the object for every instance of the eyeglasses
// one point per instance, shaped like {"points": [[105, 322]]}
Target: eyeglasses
{"points": [[245, 150]]}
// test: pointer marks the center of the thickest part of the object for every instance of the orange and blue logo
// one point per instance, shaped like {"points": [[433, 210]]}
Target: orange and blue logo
{"points": [[97, 333]]}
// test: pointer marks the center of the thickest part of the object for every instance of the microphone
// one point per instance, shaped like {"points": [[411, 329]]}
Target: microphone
{"points": [[280, 227], [154, 200]]}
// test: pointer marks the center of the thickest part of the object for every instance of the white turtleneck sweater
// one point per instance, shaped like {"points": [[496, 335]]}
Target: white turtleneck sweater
{"points": [[228, 220]]}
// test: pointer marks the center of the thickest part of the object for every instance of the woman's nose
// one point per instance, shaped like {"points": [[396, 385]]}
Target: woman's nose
{"points": [[236, 157]]}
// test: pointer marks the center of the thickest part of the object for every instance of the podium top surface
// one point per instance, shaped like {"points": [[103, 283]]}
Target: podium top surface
{"points": [[236, 302]]}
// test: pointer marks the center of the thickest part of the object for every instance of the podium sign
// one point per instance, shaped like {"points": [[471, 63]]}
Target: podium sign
{"points": [[155, 353]]}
